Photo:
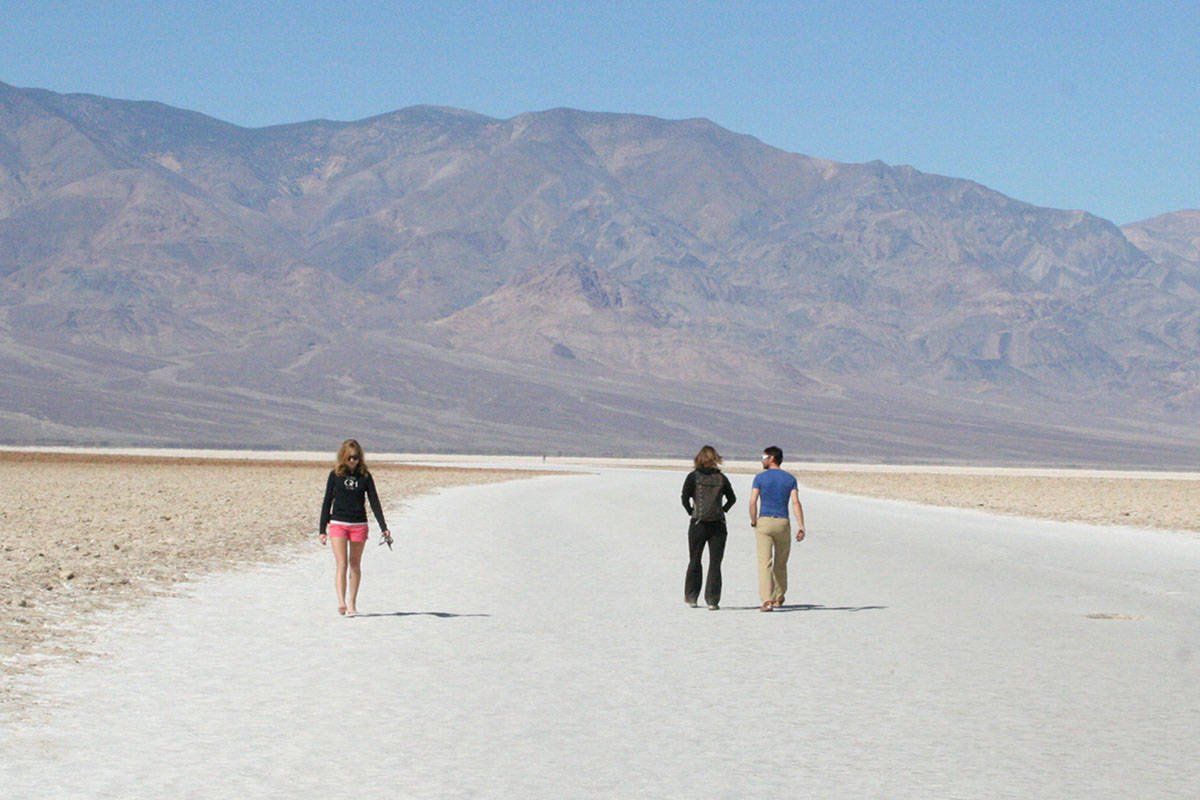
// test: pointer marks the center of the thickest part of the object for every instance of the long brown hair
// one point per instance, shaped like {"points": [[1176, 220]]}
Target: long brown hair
{"points": [[708, 458], [351, 447]]}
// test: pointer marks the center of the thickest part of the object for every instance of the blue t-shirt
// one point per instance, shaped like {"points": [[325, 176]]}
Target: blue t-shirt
{"points": [[774, 488]]}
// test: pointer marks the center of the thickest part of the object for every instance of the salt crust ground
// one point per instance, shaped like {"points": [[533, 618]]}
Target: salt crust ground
{"points": [[105, 528], [528, 639]]}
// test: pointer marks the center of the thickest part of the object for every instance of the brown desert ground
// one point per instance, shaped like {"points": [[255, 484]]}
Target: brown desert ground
{"points": [[83, 532], [1138, 500]]}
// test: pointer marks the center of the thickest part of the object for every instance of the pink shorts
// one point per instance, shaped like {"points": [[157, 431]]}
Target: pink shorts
{"points": [[340, 530]]}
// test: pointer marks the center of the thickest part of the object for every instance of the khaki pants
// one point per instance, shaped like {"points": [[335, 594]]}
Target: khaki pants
{"points": [[774, 535]]}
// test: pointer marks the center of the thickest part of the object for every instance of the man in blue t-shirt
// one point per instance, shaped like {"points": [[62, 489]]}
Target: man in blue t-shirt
{"points": [[773, 489]]}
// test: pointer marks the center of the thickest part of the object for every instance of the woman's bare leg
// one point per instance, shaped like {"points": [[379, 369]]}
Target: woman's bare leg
{"points": [[356, 551], [338, 545]]}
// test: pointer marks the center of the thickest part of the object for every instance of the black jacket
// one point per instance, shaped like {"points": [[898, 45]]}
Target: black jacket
{"points": [[689, 489], [345, 498]]}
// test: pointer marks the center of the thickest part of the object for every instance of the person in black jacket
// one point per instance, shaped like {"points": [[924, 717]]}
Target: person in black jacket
{"points": [[706, 496], [344, 520]]}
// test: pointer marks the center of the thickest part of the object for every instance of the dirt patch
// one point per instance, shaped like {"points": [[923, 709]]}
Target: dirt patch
{"points": [[83, 532], [1169, 503]]}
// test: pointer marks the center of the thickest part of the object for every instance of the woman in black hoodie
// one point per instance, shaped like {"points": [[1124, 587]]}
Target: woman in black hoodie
{"points": [[344, 520], [706, 496]]}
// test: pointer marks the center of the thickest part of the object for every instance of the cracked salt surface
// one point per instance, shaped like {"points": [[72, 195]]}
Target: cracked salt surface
{"points": [[529, 639]]}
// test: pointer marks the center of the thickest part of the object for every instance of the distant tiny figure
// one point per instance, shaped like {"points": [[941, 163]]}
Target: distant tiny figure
{"points": [[344, 520], [774, 488], [706, 496]]}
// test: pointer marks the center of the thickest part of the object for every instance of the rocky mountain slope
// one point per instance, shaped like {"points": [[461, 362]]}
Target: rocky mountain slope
{"points": [[566, 281]]}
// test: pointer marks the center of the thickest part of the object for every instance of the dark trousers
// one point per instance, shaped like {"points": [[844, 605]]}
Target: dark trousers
{"points": [[699, 534]]}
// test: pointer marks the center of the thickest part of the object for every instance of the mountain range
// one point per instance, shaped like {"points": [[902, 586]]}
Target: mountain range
{"points": [[567, 282]]}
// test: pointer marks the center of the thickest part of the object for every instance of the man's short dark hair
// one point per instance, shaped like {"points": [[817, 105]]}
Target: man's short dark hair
{"points": [[775, 453]]}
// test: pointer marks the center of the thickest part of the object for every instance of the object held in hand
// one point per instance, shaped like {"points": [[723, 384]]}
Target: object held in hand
{"points": [[387, 539]]}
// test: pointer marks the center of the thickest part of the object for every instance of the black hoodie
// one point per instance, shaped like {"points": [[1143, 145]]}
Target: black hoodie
{"points": [[689, 488], [345, 497]]}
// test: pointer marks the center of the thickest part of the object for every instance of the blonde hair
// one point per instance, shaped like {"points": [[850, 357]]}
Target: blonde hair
{"points": [[707, 457], [350, 447]]}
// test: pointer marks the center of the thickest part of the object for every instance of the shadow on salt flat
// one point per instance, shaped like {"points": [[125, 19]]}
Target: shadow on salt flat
{"points": [[440, 614], [807, 607]]}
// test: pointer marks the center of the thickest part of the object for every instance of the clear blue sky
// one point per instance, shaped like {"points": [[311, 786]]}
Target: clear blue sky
{"points": [[1092, 105]]}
